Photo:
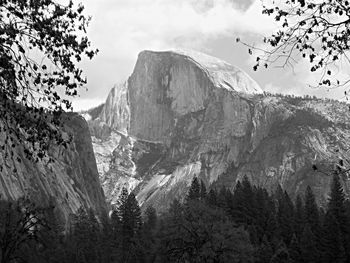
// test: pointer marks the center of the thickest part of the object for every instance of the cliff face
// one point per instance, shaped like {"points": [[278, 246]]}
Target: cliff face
{"points": [[72, 179], [194, 115], [165, 87], [116, 112]]}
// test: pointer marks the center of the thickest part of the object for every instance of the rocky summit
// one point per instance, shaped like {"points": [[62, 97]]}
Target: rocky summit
{"points": [[184, 114]]}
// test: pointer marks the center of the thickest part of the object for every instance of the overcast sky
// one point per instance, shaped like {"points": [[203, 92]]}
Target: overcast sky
{"points": [[120, 29]]}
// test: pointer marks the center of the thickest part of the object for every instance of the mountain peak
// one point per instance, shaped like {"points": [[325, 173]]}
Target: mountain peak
{"points": [[222, 74]]}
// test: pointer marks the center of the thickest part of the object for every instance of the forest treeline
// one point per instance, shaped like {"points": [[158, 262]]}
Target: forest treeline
{"points": [[248, 224]]}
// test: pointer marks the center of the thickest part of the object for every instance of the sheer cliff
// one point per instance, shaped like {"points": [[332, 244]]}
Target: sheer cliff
{"points": [[71, 180], [185, 114]]}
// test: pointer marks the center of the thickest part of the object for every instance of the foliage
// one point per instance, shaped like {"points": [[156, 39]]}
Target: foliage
{"points": [[195, 190], [20, 224], [41, 43], [246, 225], [316, 31], [203, 234]]}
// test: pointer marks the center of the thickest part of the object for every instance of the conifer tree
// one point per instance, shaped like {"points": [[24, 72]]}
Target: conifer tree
{"points": [[151, 218], [299, 216], [93, 237], [262, 211], [336, 208], [121, 202], [131, 225], [265, 251], [294, 250], [308, 246], [311, 212], [52, 234], [332, 241], [242, 205], [149, 234], [203, 191], [81, 236], [224, 198], [115, 238], [336, 204], [170, 231], [285, 217], [175, 210], [281, 255], [105, 242], [194, 193], [211, 198]]}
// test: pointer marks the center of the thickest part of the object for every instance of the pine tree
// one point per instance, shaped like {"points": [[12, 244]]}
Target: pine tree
{"points": [[336, 208], [336, 204], [312, 216], [148, 234], [203, 191], [224, 197], [281, 255], [332, 241], [106, 240], [175, 210], [262, 211], [285, 217], [194, 193], [299, 216], [81, 236], [116, 232], [121, 202], [171, 232], [131, 224], [151, 218], [308, 246], [211, 198], [242, 206], [132, 217], [265, 251], [294, 250], [52, 234], [93, 238]]}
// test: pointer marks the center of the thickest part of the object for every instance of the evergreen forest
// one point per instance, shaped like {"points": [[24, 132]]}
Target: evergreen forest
{"points": [[248, 224]]}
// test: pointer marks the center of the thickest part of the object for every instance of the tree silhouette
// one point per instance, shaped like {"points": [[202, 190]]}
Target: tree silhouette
{"points": [[332, 241], [316, 31], [195, 190], [312, 216], [20, 222], [40, 44], [337, 211]]}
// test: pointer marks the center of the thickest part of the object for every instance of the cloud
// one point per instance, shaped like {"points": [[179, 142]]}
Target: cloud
{"points": [[128, 26], [302, 82], [80, 104], [123, 28]]}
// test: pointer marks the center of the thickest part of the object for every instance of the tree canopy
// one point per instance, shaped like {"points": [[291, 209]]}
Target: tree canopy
{"points": [[313, 30], [41, 43]]}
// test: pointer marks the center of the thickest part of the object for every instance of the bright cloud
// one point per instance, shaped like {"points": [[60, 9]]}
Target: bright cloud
{"points": [[123, 28], [303, 82]]}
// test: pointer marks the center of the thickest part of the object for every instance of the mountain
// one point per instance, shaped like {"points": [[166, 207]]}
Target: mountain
{"points": [[71, 180], [183, 114]]}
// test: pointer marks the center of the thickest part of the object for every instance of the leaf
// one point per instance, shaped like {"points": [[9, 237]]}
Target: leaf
{"points": [[21, 49]]}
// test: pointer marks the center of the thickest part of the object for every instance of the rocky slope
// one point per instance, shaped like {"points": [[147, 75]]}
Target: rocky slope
{"points": [[185, 114], [71, 180]]}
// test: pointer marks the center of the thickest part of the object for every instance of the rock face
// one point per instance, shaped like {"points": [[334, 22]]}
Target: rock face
{"points": [[194, 115], [116, 113], [72, 179], [166, 86]]}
